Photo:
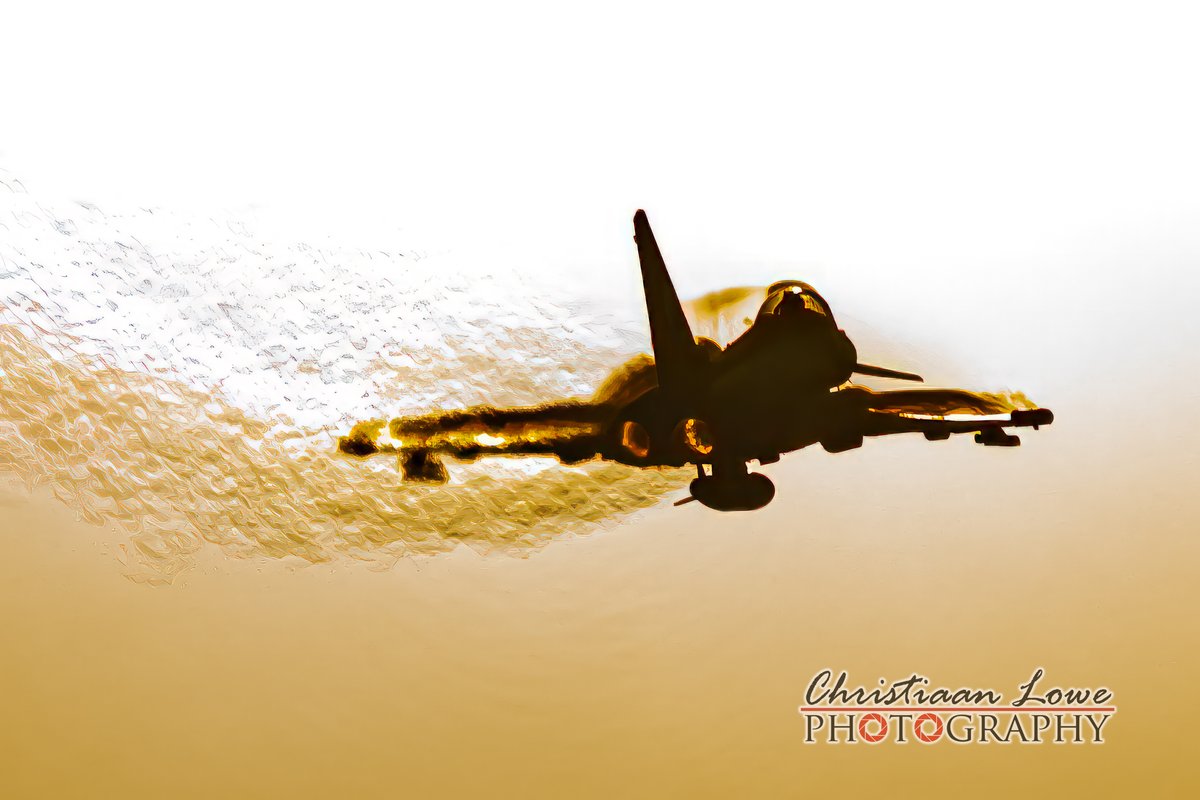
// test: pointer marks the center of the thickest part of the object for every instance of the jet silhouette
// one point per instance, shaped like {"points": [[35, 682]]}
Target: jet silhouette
{"points": [[781, 386]]}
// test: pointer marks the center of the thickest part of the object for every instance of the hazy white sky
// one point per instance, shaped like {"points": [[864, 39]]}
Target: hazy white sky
{"points": [[1014, 186], [859, 146]]}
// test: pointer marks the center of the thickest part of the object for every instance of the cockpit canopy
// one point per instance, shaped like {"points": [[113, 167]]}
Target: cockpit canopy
{"points": [[793, 297]]}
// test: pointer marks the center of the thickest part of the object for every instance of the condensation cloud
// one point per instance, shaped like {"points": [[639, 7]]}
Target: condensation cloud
{"points": [[184, 379]]}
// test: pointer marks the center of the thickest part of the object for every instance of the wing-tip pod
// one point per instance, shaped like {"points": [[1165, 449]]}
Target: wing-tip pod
{"points": [[1022, 418], [1032, 418]]}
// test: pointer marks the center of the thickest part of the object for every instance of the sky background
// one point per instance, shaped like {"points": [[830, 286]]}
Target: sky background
{"points": [[907, 161], [999, 197]]}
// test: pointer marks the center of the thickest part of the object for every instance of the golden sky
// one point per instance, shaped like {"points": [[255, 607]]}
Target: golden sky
{"points": [[227, 236]]}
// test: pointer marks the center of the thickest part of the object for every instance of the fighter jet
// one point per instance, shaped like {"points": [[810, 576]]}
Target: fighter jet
{"points": [[781, 386]]}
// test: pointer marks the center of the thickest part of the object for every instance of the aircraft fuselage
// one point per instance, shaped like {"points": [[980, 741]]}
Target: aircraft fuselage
{"points": [[765, 394]]}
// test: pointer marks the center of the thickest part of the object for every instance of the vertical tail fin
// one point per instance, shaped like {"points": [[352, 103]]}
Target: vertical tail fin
{"points": [[676, 353]]}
